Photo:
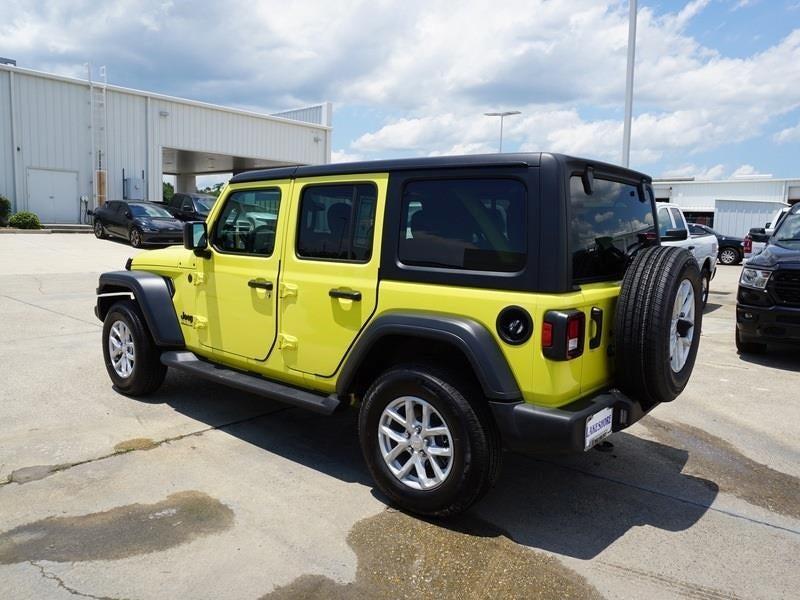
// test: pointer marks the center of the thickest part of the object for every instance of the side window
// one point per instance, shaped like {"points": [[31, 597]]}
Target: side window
{"points": [[248, 222], [696, 230], [604, 225], [472, 224], [337, 222], [664, 221], [677, 217], [187, 205]]}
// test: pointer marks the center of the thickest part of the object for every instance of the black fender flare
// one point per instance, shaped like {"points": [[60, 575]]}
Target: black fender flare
{"points": [[467, 335], [153, 295]]}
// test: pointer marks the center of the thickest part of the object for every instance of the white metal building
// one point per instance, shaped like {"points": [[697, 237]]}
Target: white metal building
{"points": [[68, 144], [731, 206]]}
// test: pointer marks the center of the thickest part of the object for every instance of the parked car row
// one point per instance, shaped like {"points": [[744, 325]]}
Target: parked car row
{"points": [[144, 223]]}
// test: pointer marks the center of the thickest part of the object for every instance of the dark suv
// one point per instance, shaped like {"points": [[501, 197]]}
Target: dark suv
{"points": [[768, 302], [190, 207]]}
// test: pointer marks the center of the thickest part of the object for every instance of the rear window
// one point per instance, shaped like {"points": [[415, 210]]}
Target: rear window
{"points": [[470, 224], [604, 225]]}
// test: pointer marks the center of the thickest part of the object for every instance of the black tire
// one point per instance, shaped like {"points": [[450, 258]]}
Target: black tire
{"points": [[643, 324], [705, 282], [730, 256], [135, 237], [147, 373], [746, 347], [476, 447], [99, 230]]}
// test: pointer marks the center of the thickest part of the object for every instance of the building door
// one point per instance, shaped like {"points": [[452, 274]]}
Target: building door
{"points": [[329, 284], [53, 195]]}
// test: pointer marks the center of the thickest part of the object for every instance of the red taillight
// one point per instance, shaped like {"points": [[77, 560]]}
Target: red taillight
{"points": [[748, 244], [547, 335], [563, 333], [575, 327]]}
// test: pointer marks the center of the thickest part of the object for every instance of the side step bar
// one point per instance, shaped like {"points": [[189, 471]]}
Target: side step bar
{"points": [[184, 360]]}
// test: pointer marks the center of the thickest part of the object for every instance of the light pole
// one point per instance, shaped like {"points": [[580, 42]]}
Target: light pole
{"points": [[626, 130], [502, 116]]}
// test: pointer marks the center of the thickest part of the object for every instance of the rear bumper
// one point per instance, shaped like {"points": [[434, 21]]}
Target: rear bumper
{"points": [[538, 430], [772, 324]]}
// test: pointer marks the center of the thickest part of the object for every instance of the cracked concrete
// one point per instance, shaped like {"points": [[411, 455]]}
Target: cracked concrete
{"points": [[658, 516]]}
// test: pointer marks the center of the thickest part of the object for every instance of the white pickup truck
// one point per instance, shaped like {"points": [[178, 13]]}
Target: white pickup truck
{"points": [[674, 231], [756, 240]]}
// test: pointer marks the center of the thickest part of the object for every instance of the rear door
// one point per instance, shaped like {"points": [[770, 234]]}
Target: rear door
{"points": [[238, 288], [605, 225], [329, 284]]}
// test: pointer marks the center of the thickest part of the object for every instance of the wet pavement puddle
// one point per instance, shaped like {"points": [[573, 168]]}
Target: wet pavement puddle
{"points": [[400, 556], [117, 533]]}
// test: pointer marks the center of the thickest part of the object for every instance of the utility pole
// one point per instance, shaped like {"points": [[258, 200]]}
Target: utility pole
{"points": [[502, 116], [626, 131]]}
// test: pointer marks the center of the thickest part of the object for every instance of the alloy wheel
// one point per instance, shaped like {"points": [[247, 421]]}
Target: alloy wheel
{"points": [[121, 349], [682, 329]]}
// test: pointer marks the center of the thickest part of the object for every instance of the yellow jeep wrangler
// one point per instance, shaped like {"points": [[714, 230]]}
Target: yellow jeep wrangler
{"points": [[463, 304]]}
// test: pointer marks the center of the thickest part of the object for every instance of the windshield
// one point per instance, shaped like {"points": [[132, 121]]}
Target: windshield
{"points": [[204, 205], [148, 210], [789, 230]]}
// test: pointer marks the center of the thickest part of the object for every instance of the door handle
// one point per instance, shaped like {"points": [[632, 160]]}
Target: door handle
{"points": [[262, 285], [597, 319], [345, 294]]}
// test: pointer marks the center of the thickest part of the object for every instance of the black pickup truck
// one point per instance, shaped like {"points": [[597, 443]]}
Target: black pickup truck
{"points": [[768, 301]]}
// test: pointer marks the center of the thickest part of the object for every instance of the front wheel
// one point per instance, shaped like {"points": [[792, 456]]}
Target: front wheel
{"points": [[133, 361], [429, 444], [136, 238], [99, 230], [705, 281]]}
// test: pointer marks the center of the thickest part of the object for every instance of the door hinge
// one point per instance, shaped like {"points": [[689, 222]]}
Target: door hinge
{"points": [[288, 289], [196, 278], [287, 342], [199, 322]]}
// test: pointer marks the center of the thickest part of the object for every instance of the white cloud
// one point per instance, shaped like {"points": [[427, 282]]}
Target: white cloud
{"points": [[340, 156], [434, 69], [790, 134], [745, 171], [699, 173]]}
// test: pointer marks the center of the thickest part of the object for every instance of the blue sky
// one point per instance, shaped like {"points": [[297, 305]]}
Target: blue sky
{"points": [[717, 81]]}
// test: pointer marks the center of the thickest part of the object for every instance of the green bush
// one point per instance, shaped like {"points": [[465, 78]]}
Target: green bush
{"points": [[25, 220], [5, 210]]}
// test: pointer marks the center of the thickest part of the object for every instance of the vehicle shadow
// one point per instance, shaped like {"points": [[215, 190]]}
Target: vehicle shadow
{"points": [[711, 307], [776, 357], [575, 506]]}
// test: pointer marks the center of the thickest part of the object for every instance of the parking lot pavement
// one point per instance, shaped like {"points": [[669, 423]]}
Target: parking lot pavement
{"points": [[202, 492]]}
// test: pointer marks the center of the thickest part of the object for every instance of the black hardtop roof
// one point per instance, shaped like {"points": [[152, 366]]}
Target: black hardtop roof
{"points": [[521, 159]]}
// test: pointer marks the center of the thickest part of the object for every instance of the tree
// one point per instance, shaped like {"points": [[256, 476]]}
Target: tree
{"points": [[168, 191], [213, 190]]}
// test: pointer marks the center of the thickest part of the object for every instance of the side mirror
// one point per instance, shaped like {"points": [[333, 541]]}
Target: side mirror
{"points": [[674, 235], [758, 234], [90, 212], [195, 237], [128, 214]]}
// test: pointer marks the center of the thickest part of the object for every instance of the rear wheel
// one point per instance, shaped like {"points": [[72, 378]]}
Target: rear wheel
{"points": [[657, 324], [133, 360], [729, 256], [745, 347], [429, 444]]}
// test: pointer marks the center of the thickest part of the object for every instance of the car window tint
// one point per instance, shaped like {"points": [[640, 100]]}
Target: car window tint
{"points": [[680, 223], [697, 230], [187, 205], [337, 222], [605, 225], [148, 210], [471, 224], [248, 222]]}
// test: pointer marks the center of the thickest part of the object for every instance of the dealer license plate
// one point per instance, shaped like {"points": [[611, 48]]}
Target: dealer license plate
{"points": [[598, 426]]}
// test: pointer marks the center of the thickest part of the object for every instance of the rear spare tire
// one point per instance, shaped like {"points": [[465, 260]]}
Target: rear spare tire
{"points": [[658, 322]]}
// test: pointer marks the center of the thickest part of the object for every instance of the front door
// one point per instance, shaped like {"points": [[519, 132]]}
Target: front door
{"points": [[238, 292], [329, 283]]}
